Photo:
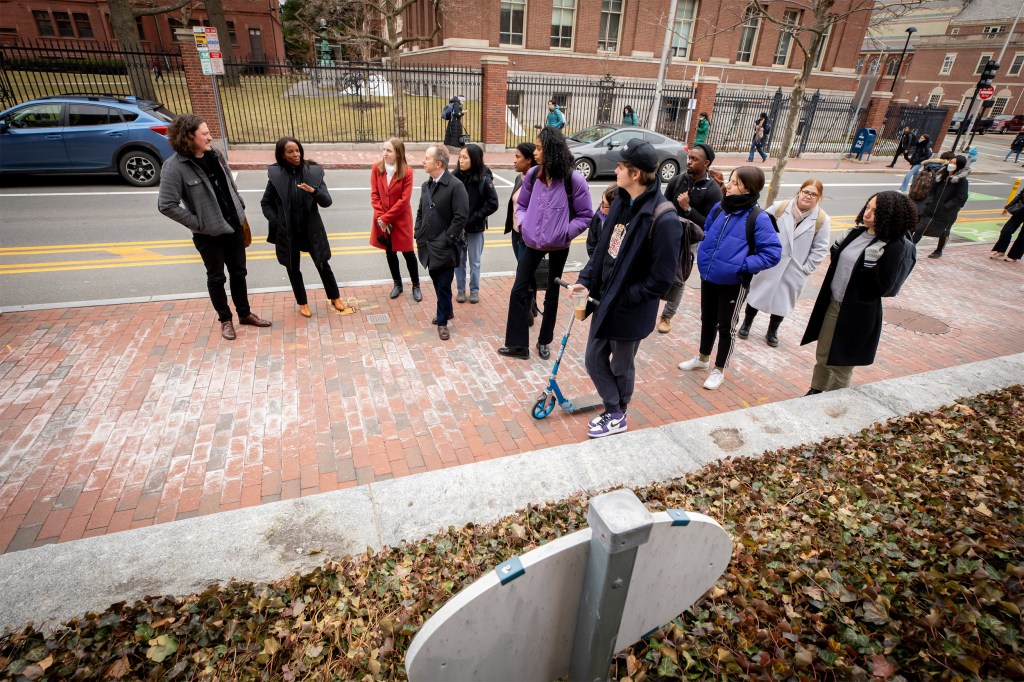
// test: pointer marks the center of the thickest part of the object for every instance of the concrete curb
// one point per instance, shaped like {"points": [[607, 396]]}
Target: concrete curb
{"points": [[57, 582]]}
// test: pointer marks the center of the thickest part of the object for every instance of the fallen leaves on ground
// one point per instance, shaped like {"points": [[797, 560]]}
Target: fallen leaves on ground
{"points": [[895, 554]]}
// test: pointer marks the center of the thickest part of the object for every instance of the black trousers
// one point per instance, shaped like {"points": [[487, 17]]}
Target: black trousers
{"points": [[410, 263], [517, 326], [1006, 234], [899, 153], [442, 279], [220, 252], [720, 306], [299, 287]]}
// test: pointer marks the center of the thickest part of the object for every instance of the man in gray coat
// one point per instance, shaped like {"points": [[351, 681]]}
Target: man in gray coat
{"points": [[197, 190]]}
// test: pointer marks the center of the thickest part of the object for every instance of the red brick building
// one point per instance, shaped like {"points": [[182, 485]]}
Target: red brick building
{"points": [[625, 38], [254, 26]]}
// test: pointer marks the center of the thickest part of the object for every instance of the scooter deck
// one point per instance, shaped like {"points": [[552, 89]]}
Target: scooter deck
{"points": [[585, 404]]}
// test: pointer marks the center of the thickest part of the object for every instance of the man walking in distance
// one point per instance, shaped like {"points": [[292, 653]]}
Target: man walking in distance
{"points": [[197, 190], [693, 194], [906, 142], [440, 224]]}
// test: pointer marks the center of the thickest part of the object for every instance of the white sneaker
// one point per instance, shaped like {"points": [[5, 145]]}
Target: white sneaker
{"points": [[597, 420], [694, 363], [714, 380]]}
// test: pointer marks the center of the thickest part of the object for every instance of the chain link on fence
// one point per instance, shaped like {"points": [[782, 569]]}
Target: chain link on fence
{"points": [[346, 103], [590, 101], [29, 71]]}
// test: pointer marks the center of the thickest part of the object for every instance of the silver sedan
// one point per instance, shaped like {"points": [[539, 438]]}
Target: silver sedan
{"points": [[590, 148]]}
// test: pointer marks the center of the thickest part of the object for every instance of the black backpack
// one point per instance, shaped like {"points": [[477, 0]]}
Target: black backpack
{"points": [[692, 234]]}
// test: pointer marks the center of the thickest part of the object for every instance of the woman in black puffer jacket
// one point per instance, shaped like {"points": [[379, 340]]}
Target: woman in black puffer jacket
{"points": [[943, 206], [483, 201]]}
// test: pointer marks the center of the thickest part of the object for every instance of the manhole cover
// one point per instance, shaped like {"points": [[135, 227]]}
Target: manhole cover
{"points": [[914, 321], [380, 318]]}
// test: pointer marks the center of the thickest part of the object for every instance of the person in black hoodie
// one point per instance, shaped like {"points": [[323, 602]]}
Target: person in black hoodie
{"points": [[905, 143], [949, 194], [483, 201]]}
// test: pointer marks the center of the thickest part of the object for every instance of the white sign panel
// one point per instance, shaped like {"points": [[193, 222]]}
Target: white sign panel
{"points": [[204, 61], [217, 63]]}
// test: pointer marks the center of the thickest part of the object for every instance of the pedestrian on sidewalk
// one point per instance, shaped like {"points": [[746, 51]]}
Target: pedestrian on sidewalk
{"points": [[296, 190], [556, 119], [633, 266], [804, 233], [440, 227], [1016, 147], [629, 117], [762, 129], [693, 194], [198, 191], [391, 198], [847, 317], [948, 196], [703, 128], [478, 180], [726, 263], [919, 153], [1015, 209], [554, 208], [453, 113], [905, 143], [596, 226], [523, 160]]}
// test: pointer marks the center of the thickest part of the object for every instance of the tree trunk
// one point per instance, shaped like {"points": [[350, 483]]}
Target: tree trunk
{"points": [[394, 65], [215, 14], [122, 21]]}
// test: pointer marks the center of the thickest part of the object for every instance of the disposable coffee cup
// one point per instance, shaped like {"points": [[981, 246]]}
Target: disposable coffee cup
{"points": [[579, 305]]}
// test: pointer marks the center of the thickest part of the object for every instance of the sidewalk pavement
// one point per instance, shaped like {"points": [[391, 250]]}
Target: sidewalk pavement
{"points": [[125, 415]]}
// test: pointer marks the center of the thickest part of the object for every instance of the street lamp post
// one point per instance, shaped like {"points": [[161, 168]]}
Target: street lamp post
{"points": [[910, 31]]}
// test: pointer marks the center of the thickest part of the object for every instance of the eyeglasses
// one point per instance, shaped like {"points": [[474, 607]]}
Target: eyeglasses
{"points": [[812, 195]]}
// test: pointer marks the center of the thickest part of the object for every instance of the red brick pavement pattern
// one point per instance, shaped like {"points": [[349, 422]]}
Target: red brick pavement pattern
{"points": [[121, 416]]}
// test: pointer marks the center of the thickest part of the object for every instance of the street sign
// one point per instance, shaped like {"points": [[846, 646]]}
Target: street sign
{"points": [[985, 93], [204, 61], [217, 63], [211, 38], [200, 35]]}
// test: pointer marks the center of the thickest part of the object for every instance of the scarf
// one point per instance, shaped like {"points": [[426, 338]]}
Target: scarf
{"points": [[734, 203], [390, 170], [798, 215]]}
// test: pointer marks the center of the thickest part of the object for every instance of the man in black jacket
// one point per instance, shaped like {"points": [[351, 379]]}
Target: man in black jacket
{"points": [[906, 142], [440, 224], [693, 194], [633, 266]]}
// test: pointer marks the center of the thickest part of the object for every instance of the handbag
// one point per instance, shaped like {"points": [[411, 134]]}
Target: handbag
{"points": [[246, 233]]}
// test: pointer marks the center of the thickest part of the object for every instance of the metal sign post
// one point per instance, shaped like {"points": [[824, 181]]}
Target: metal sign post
{"points": [[212, 61]]}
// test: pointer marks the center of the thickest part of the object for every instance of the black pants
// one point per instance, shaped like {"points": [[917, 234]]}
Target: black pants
{"points": [[299, 287], [442, 279], [899, 153], [612, 367], [217, 253], [1006, 234], [517, 327], [720, 306], [410, 263], [773, 323]]}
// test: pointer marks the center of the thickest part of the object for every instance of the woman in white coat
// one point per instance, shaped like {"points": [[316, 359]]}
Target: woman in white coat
{"points": [[803, 231]]}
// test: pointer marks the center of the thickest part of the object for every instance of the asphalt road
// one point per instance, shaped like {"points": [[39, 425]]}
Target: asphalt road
{"points": [[88, 238]]}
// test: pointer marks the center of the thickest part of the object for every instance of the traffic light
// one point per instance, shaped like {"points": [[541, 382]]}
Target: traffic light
{"points": [[988, 73]]}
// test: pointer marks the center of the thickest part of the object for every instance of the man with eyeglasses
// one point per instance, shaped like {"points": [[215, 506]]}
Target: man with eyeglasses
{"points": [[693, 194], [440, 225]]}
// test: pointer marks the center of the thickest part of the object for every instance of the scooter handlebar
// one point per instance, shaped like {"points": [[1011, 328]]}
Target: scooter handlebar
{"points": [[562, 283]]}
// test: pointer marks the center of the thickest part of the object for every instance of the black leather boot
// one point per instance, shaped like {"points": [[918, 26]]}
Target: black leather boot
{"points": [[772, 337]]}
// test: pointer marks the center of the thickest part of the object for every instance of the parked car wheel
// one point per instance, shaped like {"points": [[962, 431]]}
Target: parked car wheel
{"points": [[668, 170], [585, 167], [139, 168]]}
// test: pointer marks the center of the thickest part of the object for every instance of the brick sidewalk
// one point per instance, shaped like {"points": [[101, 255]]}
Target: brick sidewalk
{"points": [[122, 416]]}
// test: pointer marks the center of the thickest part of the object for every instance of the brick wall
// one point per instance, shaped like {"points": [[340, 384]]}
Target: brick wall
{"points": [[200, 87], [494, 89]]}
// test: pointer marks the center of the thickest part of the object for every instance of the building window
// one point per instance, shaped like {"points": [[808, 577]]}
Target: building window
{"points": [[790, 20], [608, 33], [140, 27], [43, 23], [820, 57], [514, 102], [981, 64], [933, 101], [860, 65], [892, 68], [83, 25], [992, 30], [682, 34], [954, 31], [748, 39], [1018, 62], [65, 29], [563, 13], [999, 106], [947, 65], [232, 35], [513, 13]]}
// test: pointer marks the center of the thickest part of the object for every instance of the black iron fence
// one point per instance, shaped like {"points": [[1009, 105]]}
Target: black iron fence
{"points": [[922, 121], [28, 71], [346, 103], [590, 101]]}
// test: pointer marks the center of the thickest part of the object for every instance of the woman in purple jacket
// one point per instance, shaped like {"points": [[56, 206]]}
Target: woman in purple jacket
{"points": [[727, 263], [554, 208]]}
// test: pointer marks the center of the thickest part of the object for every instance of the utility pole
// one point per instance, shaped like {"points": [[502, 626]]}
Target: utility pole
{"points": [[666, 55]]}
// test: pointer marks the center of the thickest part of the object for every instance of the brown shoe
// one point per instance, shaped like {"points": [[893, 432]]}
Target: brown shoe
{"points": [[227, 330], [254, 320], [442, 332], [664, 325], [304, 311]]}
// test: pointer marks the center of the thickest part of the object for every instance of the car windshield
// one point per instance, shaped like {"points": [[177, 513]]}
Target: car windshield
{"points": [[592, 134]]}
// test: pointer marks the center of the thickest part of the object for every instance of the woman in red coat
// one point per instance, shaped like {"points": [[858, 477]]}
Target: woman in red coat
{"points": [[391, 196]]}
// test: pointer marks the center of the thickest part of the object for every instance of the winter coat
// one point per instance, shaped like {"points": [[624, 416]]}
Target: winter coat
{"points": [[859, 326], [510, 211], [724, 253], [704, 195], [441, 222], [919, 153], [556, 119], [187, 197], [776, 290], [281, 214], [1018, 143], [393, 204], [630, 119], [594, 232], [453, 131], [643, 272], [483, 199], [703, 128], [906, 141], [943, 205], [544, 211]]}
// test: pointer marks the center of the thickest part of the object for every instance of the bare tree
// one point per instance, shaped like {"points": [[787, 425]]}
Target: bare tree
{"points": [[122, 20], [215, 15]]}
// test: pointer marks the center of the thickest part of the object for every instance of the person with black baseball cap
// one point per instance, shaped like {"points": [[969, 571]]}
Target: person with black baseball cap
{"points": [[633, 266]]}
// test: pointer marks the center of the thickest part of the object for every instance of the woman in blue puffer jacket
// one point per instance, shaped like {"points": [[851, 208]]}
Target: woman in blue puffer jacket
{"points": [[726, 263]]}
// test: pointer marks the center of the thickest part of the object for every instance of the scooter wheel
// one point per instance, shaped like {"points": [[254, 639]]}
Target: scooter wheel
{"points": [[543, 407]]}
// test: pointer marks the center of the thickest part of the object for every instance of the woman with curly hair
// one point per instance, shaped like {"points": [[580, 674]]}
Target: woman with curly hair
{"points": [[847, 317], [553, 209]]}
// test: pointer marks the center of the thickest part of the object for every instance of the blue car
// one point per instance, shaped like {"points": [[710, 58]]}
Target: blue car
{"points": [[86, 134]]}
